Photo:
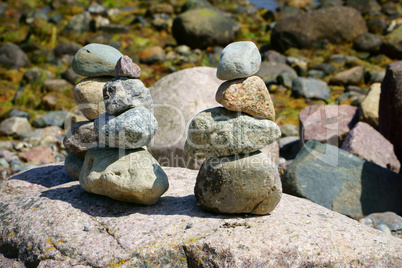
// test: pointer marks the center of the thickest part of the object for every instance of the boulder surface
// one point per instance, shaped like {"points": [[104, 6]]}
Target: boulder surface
{"points": [[47, 220]]}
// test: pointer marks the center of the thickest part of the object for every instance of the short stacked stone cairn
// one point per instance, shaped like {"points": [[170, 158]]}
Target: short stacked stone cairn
{"points": [[108, 152], [236, 177]]}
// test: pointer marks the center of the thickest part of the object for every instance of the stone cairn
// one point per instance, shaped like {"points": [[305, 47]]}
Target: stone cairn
{"points": [[108, 153], [236, 177]]}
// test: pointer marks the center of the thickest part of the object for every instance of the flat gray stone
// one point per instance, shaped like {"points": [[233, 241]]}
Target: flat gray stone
{"points": [[89, 230], [96, 60], [132, 129], [122, 94], [126, 175], [310, 88], [219, 132], [246, 183], [239, 60]]}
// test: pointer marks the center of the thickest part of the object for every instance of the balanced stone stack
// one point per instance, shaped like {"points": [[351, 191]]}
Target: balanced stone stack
{"points": [[117, 164], [236, 177]]}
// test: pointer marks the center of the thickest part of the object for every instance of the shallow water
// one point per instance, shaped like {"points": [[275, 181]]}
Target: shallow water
{"points": [[270, 4]]}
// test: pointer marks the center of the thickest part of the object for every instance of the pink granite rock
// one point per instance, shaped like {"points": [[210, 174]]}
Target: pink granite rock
{"points": [[327, 123], [125, 67], [40, 155], [367, 143], [49, 221]]}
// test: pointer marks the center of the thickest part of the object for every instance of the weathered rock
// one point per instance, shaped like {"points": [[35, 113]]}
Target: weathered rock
{"points": [[55, 118], [327, 123], [392, 45], [152, 54], [88, 95], [390, 109], [353, 76], [125, 67], [40, 155], [178, 97], [131, 129], [157, 235], [367, 42], [390, 219], [346, 183], [219, 132], [365, 142], [134, 177], [12, 56], [269, 71], [370, 106], [203, 27], [96, 60], [122, 94], [238, 60], [304, 30], [239, 184], [14, 125], [80, 137], [248, 95], [310, 88], [73, 165]]}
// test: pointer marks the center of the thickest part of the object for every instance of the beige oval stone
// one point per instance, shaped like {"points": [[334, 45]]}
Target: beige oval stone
{"points": [[249, 95], [370, 106], [88, 95]]}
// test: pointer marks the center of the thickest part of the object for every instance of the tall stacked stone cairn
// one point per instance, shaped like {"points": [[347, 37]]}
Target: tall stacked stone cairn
{"points": [[108, 153], [236, 177]]}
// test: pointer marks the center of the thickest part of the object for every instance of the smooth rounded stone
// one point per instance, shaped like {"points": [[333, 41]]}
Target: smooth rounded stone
{"points": [[274, 56], [88, 95], [131, 129], [369, 107], [122, 94], [367, 143], [125, 67], [14, 125], [353, 76], [178, 97], [18, 113], [310, 88], [4, 163], [367, 42], [327, 123], [289, 130], [203, 27], [55, 118], [73, 165], [96, 60], [338, 180], [392, 220], [219, 132], [134, 177], [270, 71], [12, 56], [79, 23], [152, 54], [80, 137], [249, 95], [303, 30], [239, 184], [393, 43], [66, 48], [238, 60]]}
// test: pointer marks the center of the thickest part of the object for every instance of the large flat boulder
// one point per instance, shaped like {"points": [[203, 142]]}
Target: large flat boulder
{"points": [[49, 221]]}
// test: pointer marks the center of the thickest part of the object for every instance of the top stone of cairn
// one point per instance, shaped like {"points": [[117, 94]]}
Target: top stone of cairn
{"points": [[239, 60]]}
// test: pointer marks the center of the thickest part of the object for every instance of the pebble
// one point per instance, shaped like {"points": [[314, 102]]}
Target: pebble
{"points": [[353, 76], [219, 132], [40, 154], [14, 125], [4, 163], [6, 155], [310, 88], [239, 184], [238, 60], [125, 67], [55, 118], [249, 95], [289, 130], [367, 42], [131, 129], [18, 113], [122, 94], [370, 106], [134, 177], [96, 60], [88, 95], [152, 54]]}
